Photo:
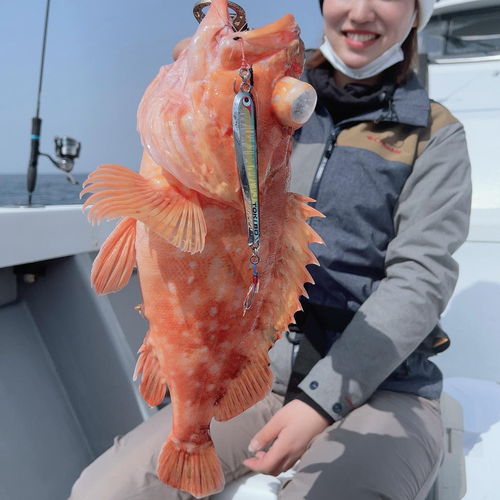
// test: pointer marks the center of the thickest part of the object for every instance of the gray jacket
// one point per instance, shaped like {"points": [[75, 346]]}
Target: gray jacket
{"points": [[395, 186]]}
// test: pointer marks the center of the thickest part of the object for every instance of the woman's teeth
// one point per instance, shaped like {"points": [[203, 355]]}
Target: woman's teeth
{"points": [[360, 38]]}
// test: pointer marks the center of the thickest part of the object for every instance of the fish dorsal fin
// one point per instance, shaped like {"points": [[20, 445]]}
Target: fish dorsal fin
{"points": [[254, 380], [121, 192], [113, 266], [291, 263]]}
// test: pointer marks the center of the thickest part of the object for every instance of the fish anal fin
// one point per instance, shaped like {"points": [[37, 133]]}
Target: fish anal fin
{"points": [[190, 467], [251, 385], [174, 214], [153, 384], [115, 262]]}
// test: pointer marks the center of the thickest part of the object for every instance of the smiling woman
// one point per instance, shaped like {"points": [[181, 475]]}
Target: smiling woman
{"points": [[362, 33], [369, 39]]}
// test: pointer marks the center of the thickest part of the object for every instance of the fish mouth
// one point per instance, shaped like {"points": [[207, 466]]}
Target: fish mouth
{"points": [[260, 43]]}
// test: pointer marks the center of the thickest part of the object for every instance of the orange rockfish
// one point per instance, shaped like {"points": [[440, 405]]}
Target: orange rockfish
{"points": [[185, 228]]}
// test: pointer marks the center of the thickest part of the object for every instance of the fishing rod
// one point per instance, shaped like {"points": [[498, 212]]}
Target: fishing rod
{"points": [[67, 148]]}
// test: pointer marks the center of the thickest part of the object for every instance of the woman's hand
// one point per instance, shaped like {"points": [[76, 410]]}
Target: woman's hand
{"points": [[294, 426]]}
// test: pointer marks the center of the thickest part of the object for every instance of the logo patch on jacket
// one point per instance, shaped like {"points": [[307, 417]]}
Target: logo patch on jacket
{"points": [[378, 140], [393, 142]]}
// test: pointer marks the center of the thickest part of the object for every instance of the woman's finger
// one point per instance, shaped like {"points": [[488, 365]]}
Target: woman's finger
{"points": [[269, 432], [271, 462]]}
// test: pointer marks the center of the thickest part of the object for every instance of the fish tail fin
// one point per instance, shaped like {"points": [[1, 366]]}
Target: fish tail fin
{"points": [[113, 266], [250, 386], [192, 468], [153, 384], [120, 192]]}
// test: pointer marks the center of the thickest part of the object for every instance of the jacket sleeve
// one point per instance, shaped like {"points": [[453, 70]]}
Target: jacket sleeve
{"points": [[431, 222]]}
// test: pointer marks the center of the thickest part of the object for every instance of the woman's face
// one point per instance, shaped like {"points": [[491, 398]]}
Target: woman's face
{"points": [[361, 30]]}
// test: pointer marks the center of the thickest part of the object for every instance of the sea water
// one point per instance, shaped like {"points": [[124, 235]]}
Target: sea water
{"points": [[51, 189]]}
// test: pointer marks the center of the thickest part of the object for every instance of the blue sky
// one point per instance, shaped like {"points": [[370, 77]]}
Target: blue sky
{"points": [[100, 57]]}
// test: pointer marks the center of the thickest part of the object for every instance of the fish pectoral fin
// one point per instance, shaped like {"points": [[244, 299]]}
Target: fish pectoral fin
{"points": [[121, 192], [113, 266], [251, 385], [153, 385]]}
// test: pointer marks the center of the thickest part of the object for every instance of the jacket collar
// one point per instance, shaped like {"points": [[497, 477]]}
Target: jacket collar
{"points": [[410, 106]]}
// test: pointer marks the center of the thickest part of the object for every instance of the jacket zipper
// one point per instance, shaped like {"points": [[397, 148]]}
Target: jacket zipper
{"points": [[330, 145], [327, 153]]}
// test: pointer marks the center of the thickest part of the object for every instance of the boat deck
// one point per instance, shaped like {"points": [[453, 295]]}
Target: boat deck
{"points": [[67, 356]]}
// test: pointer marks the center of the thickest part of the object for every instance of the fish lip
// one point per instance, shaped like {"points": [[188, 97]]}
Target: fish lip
{"points": [[286, 25], [283, 24], [259, 43]]}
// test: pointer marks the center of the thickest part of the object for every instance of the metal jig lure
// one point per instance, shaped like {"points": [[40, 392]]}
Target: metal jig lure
{"points": [[245, 143]]}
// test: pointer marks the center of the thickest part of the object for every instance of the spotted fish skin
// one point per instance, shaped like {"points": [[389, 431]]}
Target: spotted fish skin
{"points": [[183, 225]]}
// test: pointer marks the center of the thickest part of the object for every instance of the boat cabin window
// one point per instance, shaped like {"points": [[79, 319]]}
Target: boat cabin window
{"points": [[475, 33]]}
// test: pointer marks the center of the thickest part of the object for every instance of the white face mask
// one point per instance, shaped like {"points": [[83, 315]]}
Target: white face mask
{"points": [[391, 56]]}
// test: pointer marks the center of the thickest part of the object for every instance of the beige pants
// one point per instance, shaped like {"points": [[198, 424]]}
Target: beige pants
{"points": [[391, 448]]}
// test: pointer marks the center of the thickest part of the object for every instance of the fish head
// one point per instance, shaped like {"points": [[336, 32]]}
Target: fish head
{"points": [[185, 116]]}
